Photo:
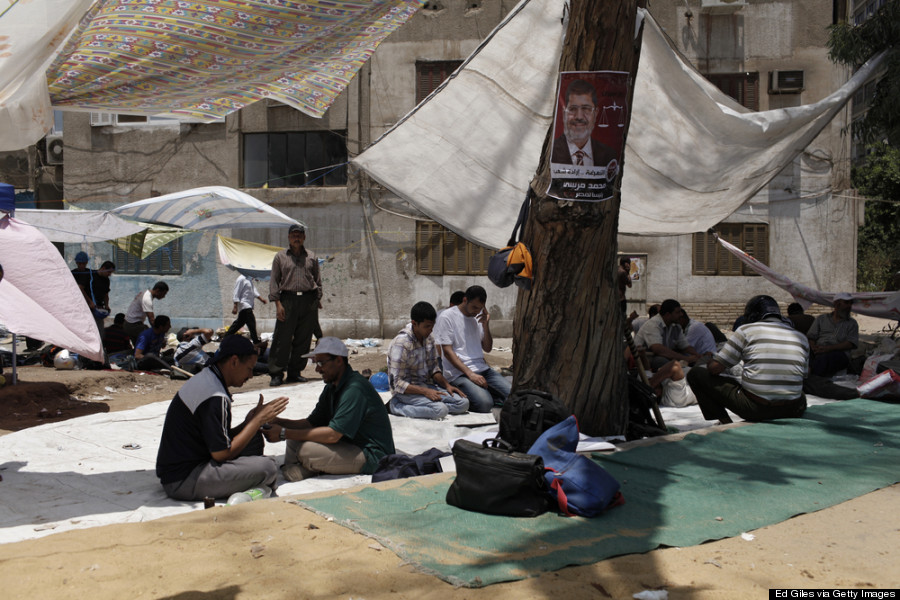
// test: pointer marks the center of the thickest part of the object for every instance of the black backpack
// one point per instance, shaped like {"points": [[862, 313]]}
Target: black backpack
{"points": [[527, 414]]}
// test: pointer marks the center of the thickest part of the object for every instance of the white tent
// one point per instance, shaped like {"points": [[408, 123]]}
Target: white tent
{"points": [[693, 154]]}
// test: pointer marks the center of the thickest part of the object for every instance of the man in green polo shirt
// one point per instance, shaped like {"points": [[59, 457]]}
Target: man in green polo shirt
{"points": [[347, 432]]}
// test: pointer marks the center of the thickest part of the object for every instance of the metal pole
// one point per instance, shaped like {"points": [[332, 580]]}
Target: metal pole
{"points": [[15, 375]]}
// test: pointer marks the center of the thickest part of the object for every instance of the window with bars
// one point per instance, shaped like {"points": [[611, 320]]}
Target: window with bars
{"points": [[743, 87], [166, 260], [710, 258], [295, 159], [442, 252], [431, 74]]}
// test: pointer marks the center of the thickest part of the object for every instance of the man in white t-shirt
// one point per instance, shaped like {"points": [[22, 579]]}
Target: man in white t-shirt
{"points": [[141, 309], [464, 334]]}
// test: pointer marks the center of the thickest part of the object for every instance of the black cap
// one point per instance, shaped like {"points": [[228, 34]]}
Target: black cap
{"points": [[233, 345], [296, 227]]}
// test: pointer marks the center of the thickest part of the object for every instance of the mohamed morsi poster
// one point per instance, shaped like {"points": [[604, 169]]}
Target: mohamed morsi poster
{"points": [[588, 135]]}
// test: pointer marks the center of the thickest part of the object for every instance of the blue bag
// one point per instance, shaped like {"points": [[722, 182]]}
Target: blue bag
{"points": [[577, 484]]}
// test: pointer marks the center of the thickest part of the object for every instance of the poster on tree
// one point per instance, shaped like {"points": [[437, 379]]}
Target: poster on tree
{"points": [[588, 135]]}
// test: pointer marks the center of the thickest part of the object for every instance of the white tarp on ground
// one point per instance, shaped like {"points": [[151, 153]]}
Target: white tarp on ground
{"points": [[78, 226], [88, 471], [693, 154], [38, 295], [885, 305]]}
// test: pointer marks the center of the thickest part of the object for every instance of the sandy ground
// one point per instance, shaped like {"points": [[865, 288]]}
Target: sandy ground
{"points": [[273, 549]]}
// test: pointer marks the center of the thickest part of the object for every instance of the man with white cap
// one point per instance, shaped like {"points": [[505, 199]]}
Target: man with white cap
{"points": [[347, 432], [832, 337]]}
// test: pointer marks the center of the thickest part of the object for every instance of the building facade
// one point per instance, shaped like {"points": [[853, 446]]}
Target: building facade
{"points": [[376, 264]]}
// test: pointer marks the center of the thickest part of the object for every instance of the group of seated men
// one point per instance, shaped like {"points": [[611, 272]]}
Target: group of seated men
{"points": [[202, 454], [775, 357]]}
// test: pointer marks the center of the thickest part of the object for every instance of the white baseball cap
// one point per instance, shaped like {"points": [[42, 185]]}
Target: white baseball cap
{"points": [[329, 345]]}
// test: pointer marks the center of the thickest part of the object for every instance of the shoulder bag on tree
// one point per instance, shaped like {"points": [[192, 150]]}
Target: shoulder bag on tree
{"points": [[512, 264]]}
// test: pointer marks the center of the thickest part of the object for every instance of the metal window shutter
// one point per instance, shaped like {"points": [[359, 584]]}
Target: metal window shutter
{"points": [[429, 248], [704, 254], [726, 262], [456, 255]]}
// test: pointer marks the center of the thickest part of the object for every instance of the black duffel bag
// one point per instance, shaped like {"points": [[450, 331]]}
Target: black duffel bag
{"points": [[492, 479]]}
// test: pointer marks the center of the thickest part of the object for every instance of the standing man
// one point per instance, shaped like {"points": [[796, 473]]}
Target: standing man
{"points": [[832, 337], [662, 335], [414, 371], [464, 335], [775, 358], [82, 274], [141, 309], [244, 295], [623, 280], [99, 293], [296, 289], [200, 454], [347, 432]]}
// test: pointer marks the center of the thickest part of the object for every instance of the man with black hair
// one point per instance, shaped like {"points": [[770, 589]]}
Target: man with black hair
{"points": [[802, 321], [295, 287], [662, 335], [115, 340], [149, 345], [775, 362], [141, 309], [414, 371], [200, 454], [623, 281], [347, 432], [464, 335]]}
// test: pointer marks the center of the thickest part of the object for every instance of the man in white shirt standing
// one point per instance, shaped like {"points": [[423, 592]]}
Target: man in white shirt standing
{"points": [[464, 334], [244, 295]]}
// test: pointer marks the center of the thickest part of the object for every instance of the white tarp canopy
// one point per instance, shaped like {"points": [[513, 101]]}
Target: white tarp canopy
{"points": [[212, 207], [78, 226], [693, 155], [38, 295]]}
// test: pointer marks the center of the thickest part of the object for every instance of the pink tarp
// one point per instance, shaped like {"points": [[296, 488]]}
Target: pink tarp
{"points": [[38, 295]]}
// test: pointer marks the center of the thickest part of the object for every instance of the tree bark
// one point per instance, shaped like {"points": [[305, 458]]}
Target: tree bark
{"points": [[567, 335]]}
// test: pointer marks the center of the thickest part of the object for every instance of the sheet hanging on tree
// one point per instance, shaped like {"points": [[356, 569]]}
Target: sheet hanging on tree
{"points": [[693, 154]]}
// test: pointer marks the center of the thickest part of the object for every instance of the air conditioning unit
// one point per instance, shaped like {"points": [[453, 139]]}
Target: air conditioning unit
{"points": [[721, 7], [54, 150], [785, 82]]}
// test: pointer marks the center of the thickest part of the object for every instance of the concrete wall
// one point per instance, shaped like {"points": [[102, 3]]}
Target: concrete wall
{"points": [[369, 273]]}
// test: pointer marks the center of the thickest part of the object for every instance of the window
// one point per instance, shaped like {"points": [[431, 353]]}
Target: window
{"points": [[103, 119], [442, 252], [431, 74], [167, 260], [743, 87], [311, 158], [710, 258]]}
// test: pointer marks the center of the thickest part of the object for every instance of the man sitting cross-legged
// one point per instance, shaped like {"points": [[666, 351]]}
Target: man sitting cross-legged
{"points": [[347, 432], [414, 371]]}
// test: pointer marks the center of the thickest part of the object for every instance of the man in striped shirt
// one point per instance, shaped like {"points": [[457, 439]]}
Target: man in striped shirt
{"points": [[775, 362]]}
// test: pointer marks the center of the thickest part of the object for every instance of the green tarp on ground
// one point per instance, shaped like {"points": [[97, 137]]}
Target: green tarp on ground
{"points": [[674, 492]]}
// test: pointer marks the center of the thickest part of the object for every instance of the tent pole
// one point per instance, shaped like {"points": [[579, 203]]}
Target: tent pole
{"points": [[15, 375]]}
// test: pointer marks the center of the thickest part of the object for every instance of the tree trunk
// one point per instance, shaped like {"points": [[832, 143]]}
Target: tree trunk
{"points": [[567, 336]]}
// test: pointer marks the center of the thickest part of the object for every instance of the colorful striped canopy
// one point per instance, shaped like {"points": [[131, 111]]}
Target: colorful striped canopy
{"points": [[203, 59]]}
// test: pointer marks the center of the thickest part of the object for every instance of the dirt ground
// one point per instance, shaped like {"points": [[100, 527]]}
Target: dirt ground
{"points": [[47, 394], [273, 549]]}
